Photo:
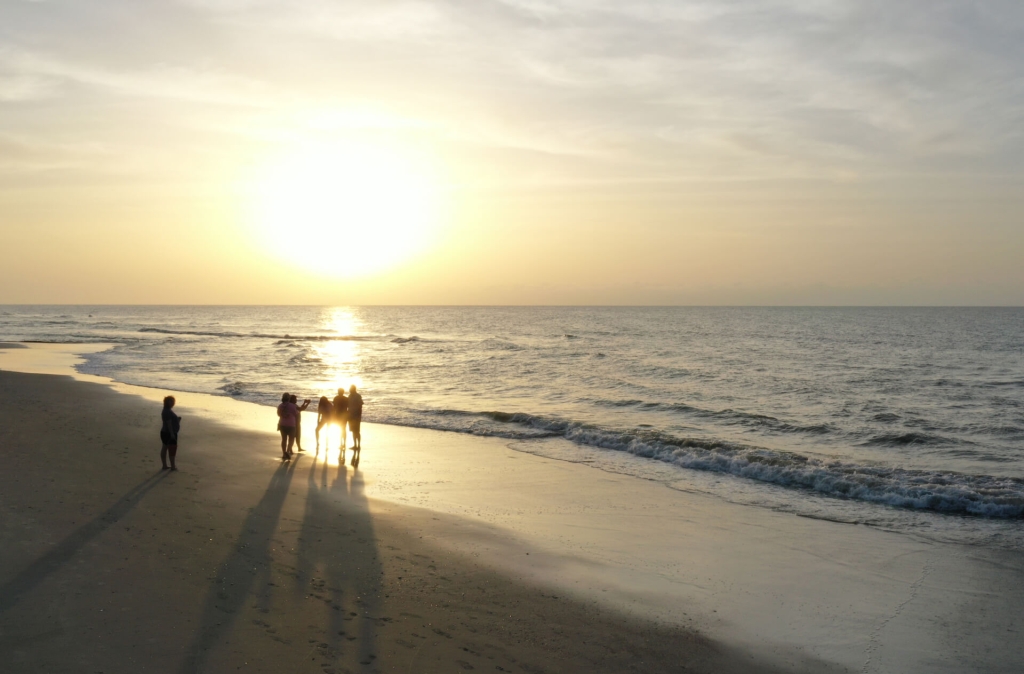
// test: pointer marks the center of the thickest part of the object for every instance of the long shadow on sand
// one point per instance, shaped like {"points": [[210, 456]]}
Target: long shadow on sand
{"points": [[338, 565], [249, 562], [13, 590], [335, 581]]}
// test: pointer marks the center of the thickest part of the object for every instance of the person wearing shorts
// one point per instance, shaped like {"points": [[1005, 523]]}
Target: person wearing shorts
{"points": [[287, 413], [355, 417], [341, 418], [294, 400], [169, 426]]}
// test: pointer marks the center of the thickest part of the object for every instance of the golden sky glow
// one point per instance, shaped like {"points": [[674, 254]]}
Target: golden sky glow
{"points": [[512, 152]]}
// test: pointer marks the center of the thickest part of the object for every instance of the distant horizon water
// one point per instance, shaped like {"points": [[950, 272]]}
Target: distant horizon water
{"points": [[909, 418], [36, 305]]}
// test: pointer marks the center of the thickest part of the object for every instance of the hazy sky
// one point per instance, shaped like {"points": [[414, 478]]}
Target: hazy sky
{"points": [[571, 151]]}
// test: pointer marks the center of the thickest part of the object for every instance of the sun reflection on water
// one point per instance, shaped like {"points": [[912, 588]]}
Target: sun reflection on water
{"points": [[341, 355]]}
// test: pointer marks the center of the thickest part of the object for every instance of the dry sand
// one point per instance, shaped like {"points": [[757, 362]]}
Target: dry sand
{"points": [[238, 562]]}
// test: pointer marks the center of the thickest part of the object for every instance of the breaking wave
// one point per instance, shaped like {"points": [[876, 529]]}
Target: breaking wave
{"points": [[726, 416], [939, 491], [235, 388]]}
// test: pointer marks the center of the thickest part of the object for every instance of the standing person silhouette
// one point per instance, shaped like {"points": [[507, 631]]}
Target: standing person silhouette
{"points": [[298, 419], [170, 424], [324, 416], [341, 418], [355, 417], [287, 413]]}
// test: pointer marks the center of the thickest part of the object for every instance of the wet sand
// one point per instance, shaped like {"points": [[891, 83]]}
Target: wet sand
{"points": [[239, 562]]}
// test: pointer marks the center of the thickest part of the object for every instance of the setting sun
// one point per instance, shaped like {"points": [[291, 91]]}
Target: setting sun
{"points": [[345, 209]]}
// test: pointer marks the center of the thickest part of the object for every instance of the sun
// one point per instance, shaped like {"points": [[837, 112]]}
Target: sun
{"points": [[345, 209]]}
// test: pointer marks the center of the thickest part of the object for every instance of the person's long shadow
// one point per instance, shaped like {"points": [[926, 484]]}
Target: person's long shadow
{"points": [[249, 562], [338, 564], [15, 589]]}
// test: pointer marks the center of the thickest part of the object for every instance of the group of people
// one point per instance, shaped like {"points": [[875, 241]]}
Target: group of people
{"points": [[345, 411]]}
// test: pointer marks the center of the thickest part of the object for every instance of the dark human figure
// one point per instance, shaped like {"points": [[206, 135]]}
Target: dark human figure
{"points": [[170, 425], [298, 419], [287, 413], [341, 418], [355, 417], [324, 416]]}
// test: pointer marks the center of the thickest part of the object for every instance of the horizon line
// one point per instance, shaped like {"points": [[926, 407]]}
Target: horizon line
{"points": [[535, 306]]}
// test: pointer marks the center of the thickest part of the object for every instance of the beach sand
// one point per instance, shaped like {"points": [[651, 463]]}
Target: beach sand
{"points": [[239, 562], [441, 553]]}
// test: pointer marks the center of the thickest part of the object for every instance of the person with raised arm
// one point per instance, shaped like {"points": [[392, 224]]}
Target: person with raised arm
{"points": [[294, 400]]}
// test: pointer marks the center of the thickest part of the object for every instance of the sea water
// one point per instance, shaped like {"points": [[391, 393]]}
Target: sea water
{"points": [[906, 418]]}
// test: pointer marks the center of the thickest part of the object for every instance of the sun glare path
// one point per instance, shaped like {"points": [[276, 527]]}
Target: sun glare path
{"points": [[345, 209], [340, 355]]}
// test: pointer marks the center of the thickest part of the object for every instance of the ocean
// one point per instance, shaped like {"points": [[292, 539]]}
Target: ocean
{"points": [[909, 419]]}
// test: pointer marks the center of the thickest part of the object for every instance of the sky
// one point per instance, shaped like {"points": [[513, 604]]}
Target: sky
{"points": [[779, 152]]}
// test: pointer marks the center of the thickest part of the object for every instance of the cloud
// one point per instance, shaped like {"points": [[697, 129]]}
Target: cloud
{"points": [[39, 74], [726, 89], [18, 87]]}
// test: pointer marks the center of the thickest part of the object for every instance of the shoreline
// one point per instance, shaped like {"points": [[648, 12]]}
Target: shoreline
{"points": [[901, 491], [791, 594], [113, 565]]}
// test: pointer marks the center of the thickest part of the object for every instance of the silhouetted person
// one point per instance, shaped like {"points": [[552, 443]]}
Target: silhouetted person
{"points": [[341, 418], [170, 424], [287, 412], [324, 416], [355, 416], [298, 420]]}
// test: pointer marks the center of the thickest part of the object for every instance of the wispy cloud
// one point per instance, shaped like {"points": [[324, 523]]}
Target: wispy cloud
{"points": [[665, 88]]}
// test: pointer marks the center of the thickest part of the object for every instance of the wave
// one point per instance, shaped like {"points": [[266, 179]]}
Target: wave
{"points": [[726, 416], [201, 333], [79, 339], [235, 388], [938, 491], [257, 335], [904, 439], [499, 344]]}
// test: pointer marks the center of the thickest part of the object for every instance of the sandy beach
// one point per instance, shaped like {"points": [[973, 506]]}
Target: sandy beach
{"points": [[683, 336], [440, 553]]}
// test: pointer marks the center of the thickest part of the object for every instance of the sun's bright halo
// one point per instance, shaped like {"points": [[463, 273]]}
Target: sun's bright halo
{"points": [[345, 209]]}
